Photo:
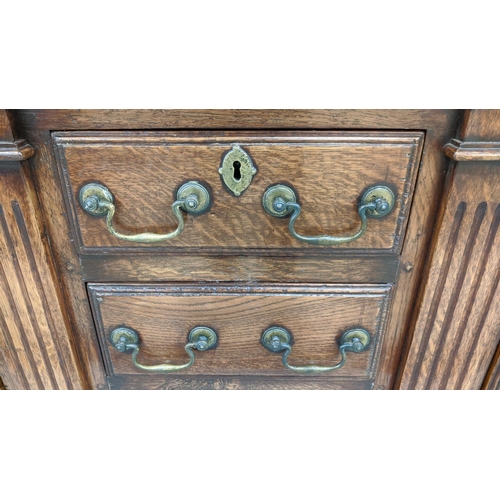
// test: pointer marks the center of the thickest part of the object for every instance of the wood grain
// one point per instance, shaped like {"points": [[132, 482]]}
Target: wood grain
{"points": [[456, 333], [212, 119], [438, 125], [243, 268], [316, 316], [68, 268], [425, 206], [37, 353], [6, 134], [480, 125], [329, 173], [252, 383], [35, 345], [455, 338], [472, 151]]}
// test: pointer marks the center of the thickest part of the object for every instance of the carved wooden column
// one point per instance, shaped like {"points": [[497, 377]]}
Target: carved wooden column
{"points": [[35, 346], [457, 327]]}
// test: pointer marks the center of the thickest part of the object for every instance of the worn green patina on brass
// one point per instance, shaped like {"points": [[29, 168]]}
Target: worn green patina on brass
{"points": [[201, 338], [237, 170], [192, 197], [277, 339], [281, 200]]}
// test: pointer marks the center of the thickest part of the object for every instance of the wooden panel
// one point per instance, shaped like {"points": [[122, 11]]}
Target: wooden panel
{"points": [[414, 255], [252, 383], [457, 329], [34, 338], [315, 315], [246, 268], [49, 191], [6, 135], [329, 173], [35, 341], [481, 125], [281, 119]]}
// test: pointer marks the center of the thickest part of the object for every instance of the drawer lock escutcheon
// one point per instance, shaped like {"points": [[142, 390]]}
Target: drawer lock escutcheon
{"points": [[277, 339], [192, 197], [280, 201], [201, 338], [237, 170]]}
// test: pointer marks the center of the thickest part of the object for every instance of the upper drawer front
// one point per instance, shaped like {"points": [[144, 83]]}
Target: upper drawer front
{"points": [[329, 172]]}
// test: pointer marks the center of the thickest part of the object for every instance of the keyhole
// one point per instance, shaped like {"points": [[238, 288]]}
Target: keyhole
{"points": [[237, 173]]}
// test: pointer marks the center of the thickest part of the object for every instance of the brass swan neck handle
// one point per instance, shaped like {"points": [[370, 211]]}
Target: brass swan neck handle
{"points": [[277, 339], [201, 338], [192, 197], [281, 200]]}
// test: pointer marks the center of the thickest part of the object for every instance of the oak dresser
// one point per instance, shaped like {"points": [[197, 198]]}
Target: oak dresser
{"points": [[249, 249]]}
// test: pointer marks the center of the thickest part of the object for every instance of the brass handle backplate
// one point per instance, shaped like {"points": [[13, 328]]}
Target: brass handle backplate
{"points": [[201, 338], [280, 201], [277, 339], [192, 197]]}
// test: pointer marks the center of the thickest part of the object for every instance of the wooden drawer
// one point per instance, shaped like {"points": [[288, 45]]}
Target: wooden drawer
{"points": [[315, 315], [329, 171]]}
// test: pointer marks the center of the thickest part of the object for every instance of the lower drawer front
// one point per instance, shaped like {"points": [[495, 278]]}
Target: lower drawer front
{"points": [[316, 316]]}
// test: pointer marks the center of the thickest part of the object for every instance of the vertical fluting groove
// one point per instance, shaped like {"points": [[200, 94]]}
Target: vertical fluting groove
{"points": [[10, 343], [487, 304], [12, 302], [438, 291], [457, 289], [36, 275], [29, 306], [484, 314]]}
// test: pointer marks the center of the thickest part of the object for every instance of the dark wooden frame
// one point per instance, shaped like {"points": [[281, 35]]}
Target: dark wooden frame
{"points": [[410, 347]]}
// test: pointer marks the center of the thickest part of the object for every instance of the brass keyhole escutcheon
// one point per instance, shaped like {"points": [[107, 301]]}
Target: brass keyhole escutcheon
{"points": [[237, 170]]}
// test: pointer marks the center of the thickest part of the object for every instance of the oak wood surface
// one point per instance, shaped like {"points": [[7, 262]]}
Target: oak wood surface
{"points": [[438, 126], [253, 383], [480, 125], [244, 268], [277, 119], [6, 133], [426, 203], [36, 349], [315, 315], [456, 332], [329, 172], [472, 151], [75, 297], [457, 329], [38, 353]]}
